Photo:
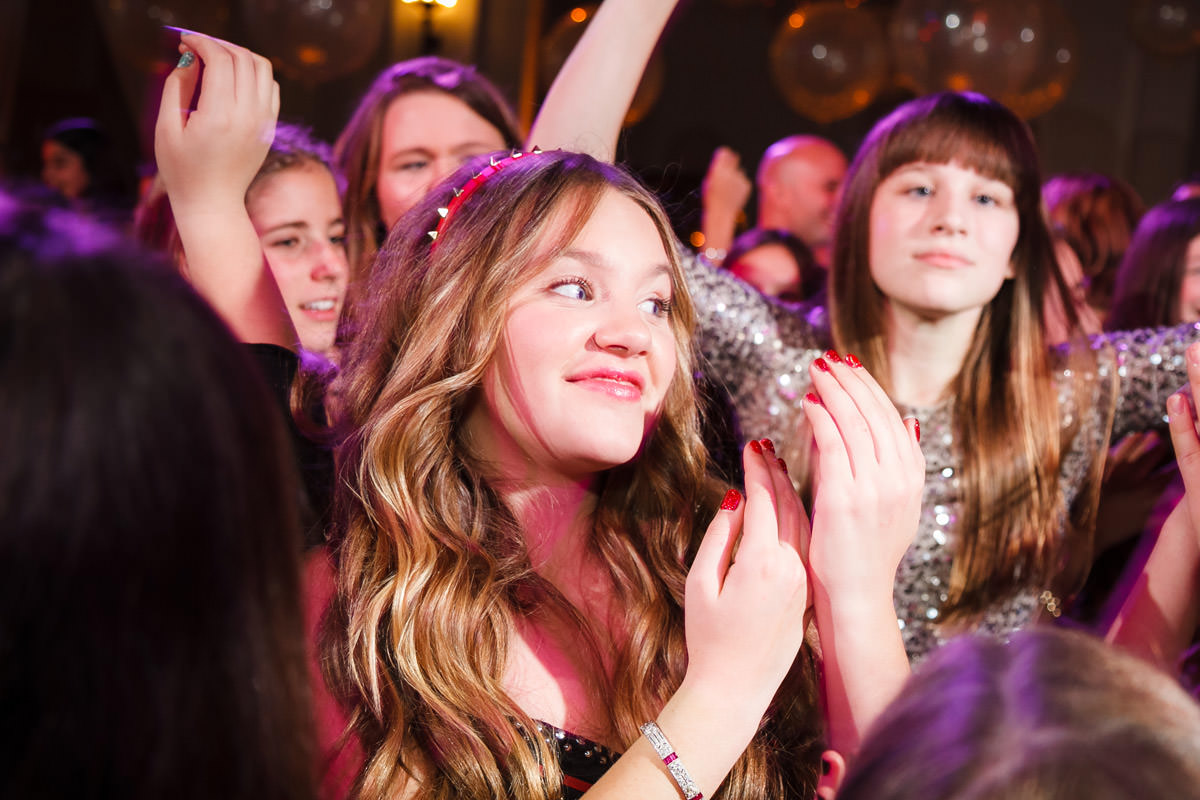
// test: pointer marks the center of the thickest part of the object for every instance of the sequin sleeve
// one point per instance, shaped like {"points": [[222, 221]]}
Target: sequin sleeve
{"points": [[1149, 365], [758, 347]]}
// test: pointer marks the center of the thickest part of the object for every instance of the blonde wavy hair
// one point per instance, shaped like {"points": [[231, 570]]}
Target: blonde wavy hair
{"points": [[433, 569]]}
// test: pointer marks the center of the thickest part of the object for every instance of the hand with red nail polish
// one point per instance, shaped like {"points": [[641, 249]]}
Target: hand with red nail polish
{"points": [[866, 507], [747, 590]]}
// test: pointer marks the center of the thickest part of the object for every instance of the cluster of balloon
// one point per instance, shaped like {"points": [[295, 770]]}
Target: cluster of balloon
{"points": [[558, 42], [1166, 27], [134, 28], [1022, 52], [315, 40], [829, 59]]}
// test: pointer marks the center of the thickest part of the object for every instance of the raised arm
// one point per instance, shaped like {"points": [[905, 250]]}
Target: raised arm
{"points": [[723, 195], [1161, 611], [870, 472], [744, 626], [588, 100], [207, 158]]}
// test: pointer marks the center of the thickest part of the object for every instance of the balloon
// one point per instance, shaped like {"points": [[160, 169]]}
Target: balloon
{"points": [[1054, 70], [134, 28], [315, 40], [988, 46], [560, 40], [829, 61], [1166, 27]]}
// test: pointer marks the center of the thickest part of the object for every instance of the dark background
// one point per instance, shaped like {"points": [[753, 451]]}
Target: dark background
{"points": [[1130, 109]]}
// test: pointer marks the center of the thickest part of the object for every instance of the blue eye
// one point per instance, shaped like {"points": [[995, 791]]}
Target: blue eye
{"points": [[656, 306], [985, 200], [920, 191], [574, 288]]}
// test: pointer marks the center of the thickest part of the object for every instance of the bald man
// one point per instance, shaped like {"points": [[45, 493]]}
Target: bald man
{"points": [[799, 181]]}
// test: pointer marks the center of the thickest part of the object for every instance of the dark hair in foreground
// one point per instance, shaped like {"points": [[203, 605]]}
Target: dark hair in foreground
{"points": [[1054, 715], [151, 639]]}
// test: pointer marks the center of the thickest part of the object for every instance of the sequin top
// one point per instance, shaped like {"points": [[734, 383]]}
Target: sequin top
{"points": [[762, 350], [582, 760]]}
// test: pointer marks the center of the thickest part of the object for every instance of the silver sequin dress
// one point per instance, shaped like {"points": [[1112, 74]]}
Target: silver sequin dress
{"points": [[762, 349]]}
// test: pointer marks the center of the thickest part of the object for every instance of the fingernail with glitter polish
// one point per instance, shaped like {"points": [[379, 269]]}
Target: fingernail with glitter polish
{"points": [[732, 500], [831, 355], [853, 361], [186, 59], [755, 445], [821, 365], [768, 445], [811, 397], [917, 429]]}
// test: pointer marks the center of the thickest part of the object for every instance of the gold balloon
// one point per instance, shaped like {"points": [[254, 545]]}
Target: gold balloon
{"points": [[561, 39], [1055, 68], [829, 61], [315, 40], [987, 46], [1166, 27]]}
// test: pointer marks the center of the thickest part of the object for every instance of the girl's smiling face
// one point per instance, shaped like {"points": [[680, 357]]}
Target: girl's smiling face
{"points": [[587, 355]]}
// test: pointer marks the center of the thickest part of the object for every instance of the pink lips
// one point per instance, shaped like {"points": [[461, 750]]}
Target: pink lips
{"points": [[944, 259], [615, 383]]}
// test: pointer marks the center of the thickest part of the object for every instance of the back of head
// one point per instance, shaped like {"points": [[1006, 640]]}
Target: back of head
{"points": [[1053, 715], [150, 639], [1096, 215], [1151, 275]]}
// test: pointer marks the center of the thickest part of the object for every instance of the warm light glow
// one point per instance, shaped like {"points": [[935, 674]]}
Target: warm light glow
{"points": [[311, 56], [796, 20], [959, 82], [861, 97], [579, 14], [697, 239], [444, 3]]}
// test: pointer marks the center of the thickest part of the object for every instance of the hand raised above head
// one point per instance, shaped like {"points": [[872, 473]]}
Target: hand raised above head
{"points": [[212, 153]]}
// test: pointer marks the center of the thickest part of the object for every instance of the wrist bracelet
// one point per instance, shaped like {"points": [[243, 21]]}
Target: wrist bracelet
{"points": [[659, 742]]}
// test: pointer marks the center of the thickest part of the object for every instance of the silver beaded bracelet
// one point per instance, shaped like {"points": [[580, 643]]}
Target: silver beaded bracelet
{"points": [[659, 742]]}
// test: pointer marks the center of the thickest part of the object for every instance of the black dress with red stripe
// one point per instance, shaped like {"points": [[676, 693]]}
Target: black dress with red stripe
{"points": [[582, 760]]}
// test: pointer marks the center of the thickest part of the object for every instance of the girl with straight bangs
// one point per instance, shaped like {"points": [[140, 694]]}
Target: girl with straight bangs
{"points": [[942, 262], [484, 597]]}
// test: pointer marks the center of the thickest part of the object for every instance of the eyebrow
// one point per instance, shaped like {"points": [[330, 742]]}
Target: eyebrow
{"points": [[298, 225], [594, 259]]}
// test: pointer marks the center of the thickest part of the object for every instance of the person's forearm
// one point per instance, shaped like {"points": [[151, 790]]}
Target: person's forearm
{"points": [[589, 98], [1159, 614], [226, 266], [864, 663]]}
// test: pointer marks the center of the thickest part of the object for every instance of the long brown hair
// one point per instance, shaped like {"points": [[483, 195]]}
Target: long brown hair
{"points": [[356, 152], [433, 569], [1150, 279], [1006, 415]]}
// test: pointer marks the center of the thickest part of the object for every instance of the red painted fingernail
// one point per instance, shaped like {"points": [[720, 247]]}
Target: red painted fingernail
{"points": [[732, 500], [755, 446], [812, 398], [821, 365], [853, 361], [917, 429], [768, 445], [782, 465], [833, 356]]}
